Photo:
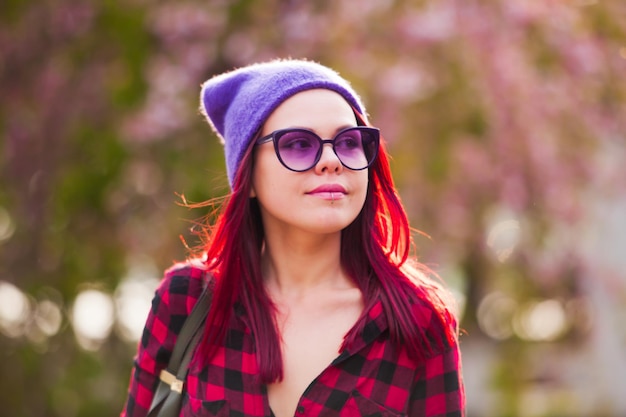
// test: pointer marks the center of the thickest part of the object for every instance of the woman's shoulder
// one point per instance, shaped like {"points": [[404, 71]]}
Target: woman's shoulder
{"points": [[182, 285], [433, 306], [191, 269]]}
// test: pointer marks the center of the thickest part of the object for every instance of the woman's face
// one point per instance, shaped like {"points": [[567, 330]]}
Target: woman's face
{"points": [[322, 200]]}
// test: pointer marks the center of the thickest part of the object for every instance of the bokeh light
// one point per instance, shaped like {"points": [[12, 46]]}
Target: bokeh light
{"points": [[15, 310], [504, 233], [541, 321], [495, 313], [7, 227], [48, 317], [133, 297], [132, 302], [92, 318]]}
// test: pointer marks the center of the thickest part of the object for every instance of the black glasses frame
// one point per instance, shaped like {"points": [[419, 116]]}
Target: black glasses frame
{"points": [[277, 134]]}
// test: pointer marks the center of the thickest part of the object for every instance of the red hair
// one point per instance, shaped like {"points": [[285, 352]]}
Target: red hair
{"points": [[375, 251]]}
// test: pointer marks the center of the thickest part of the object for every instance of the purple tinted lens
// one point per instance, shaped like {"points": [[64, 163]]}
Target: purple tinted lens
{"points": [[298, 149], [349, 149]]}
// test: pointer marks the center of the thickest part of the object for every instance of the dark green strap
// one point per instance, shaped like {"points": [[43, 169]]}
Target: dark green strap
{"points": [[189, 334], [167, 398]]}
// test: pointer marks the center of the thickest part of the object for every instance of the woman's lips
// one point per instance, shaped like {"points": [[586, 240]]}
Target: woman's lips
{"points": [[329, 192]]}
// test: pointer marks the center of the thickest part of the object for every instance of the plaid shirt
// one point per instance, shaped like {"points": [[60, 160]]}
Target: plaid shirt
{"points": [[373, 378]]}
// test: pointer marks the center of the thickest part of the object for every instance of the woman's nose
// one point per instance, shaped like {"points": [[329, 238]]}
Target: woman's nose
{"points": [[329, 161]]}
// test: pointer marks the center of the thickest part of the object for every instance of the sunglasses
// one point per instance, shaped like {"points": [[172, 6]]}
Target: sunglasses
{"points": [[300, 149]]}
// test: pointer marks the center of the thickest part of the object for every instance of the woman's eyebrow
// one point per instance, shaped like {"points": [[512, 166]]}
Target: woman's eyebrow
{"points": [[340, 128]]}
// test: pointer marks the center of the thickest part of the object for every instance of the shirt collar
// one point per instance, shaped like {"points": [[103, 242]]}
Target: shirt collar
{"points": [[375, 324]]}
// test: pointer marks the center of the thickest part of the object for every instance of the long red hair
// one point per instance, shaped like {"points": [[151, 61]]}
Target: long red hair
{"points": [[375, 252]]}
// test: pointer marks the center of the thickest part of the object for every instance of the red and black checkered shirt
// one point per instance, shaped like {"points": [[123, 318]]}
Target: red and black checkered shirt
{"points": [[373, 378]]}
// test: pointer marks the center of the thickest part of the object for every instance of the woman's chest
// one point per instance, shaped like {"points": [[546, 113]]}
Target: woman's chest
{"points": [[309, 344], [369, 382]]}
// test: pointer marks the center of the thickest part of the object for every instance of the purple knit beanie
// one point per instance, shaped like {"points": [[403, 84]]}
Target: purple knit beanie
{"points": [[237, 103]]}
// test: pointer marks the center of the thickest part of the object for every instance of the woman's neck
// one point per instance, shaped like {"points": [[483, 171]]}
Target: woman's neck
{"points": [[295, 265]]}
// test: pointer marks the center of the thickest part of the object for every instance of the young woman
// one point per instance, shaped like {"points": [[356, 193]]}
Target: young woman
{"points": [[317, 308]]}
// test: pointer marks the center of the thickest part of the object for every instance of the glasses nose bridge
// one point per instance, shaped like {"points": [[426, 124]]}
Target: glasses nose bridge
{"points": [[330, 142]]}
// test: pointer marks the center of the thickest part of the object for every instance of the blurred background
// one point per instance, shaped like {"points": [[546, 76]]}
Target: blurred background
{"points": [[506, 121]]}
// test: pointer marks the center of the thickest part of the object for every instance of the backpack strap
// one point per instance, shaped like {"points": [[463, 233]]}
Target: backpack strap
{"points": [[167, 397]]}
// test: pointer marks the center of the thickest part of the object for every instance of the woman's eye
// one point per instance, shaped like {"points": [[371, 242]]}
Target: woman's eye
{"points": [[348, 142], [296, 143]]}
